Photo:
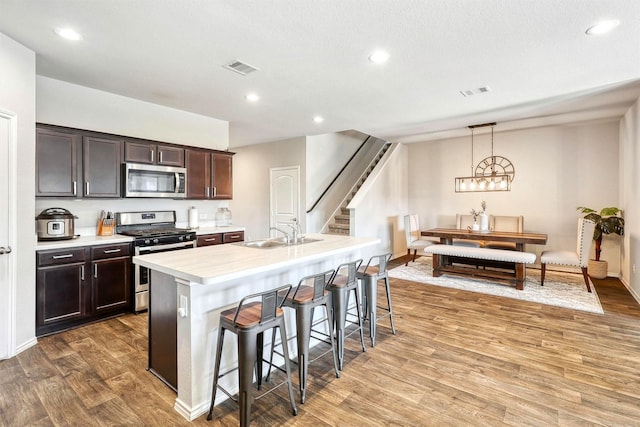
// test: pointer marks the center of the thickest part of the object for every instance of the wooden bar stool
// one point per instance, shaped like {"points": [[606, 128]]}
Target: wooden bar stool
{"points": [[310, 293], [376, 269], [343, 281], [254, 315]]}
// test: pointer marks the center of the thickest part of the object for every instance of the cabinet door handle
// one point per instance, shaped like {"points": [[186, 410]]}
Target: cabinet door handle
{"points": [[234, 236], [215, 192], [213, 239], [62, 256], [95, 271], [4, 250], [160, 154], [111, 251], [82, 272], [207, 191], [152, 155], [75, 188], [87, 185]]}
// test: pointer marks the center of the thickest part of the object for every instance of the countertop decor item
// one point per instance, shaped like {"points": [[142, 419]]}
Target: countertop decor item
{"points": [[607, 221], [193, 218], [493, 173], [223, 217]]}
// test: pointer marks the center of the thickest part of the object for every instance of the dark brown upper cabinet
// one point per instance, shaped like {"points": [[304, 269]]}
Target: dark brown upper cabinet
{"points": [[58, 163], [101, 165], [72, 164], [153, 154], [209, 175]]}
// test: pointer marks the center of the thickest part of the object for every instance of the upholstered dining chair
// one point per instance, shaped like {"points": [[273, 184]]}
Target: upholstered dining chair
{"points": [[579, 258], [504, 223], [462, 223], [412, 233]]}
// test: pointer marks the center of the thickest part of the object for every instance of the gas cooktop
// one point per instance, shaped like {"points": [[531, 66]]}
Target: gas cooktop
{"points": [[156, 232]]}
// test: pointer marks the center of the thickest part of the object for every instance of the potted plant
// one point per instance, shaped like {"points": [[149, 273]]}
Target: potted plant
{"points": [[607, 222]]}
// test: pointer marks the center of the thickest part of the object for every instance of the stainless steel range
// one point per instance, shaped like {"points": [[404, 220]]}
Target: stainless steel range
{"points": [[153, 231]]}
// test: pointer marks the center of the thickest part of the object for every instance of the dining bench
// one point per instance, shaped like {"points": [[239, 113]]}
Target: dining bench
{"points": [[500, 264]]}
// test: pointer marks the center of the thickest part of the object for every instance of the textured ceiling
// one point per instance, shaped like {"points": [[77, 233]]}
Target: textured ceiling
{"points": [[312, 56]]}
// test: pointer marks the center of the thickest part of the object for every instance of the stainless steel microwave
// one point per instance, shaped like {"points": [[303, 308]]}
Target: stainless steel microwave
{"points": [[154, 181]]}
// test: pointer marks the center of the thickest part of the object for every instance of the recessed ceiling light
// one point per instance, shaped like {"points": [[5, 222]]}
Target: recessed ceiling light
{"points": [[252, 97], [378, 57], [318, 119], [602, 27], [68, 33]]}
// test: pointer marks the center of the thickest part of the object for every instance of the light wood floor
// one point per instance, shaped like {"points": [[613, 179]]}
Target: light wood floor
{"points": [[459, 358]]}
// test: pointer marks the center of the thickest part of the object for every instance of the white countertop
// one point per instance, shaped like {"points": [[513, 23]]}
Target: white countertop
{"points": [[213, 230], [83, 241], [89, 240], [219, 263]]}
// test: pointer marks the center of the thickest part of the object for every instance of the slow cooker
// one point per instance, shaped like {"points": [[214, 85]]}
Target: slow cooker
{"points": [[55, 224]]}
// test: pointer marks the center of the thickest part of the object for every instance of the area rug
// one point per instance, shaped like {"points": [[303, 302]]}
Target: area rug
{"points": [[560, 289]]}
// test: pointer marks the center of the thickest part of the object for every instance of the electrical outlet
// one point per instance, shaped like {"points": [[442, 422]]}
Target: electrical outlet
{"points": [[203, 216]]}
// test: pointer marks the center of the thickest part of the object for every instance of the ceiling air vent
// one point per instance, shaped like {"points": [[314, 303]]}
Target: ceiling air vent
{"points": [[240, 67], [469, 92]]}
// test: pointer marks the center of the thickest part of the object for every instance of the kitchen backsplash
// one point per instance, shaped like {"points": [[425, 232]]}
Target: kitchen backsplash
{"points": [[88, 211]]}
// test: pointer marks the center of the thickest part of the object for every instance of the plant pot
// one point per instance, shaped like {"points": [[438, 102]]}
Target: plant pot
{"points": [[597, 269]]}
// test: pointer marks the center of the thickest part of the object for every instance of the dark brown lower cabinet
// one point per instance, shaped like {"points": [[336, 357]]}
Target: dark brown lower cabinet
{"points": [[80, 285], [220, 238]]}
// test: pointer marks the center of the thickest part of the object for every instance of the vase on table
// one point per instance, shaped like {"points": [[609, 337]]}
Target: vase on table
{"points": [[484, 222]]}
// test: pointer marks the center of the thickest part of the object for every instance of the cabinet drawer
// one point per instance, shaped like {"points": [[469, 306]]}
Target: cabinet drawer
{"points": [[236, 236], [110, 251], [209, 239], [61, 256]]}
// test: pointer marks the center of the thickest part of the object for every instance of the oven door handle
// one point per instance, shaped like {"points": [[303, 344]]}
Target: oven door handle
{"points": [[165, 247]]}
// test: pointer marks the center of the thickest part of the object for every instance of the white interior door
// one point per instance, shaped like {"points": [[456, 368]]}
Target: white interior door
{"points": [[284, 197], [7, 205]]}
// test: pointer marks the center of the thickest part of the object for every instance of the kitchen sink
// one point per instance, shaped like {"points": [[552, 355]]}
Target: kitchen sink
{"points": [[275, 243]]}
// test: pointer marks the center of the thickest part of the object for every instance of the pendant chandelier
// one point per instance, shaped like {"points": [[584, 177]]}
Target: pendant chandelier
{"points": [[493, 173]]}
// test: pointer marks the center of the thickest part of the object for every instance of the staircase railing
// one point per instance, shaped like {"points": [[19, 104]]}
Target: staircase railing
{"points": [[333, 181]]}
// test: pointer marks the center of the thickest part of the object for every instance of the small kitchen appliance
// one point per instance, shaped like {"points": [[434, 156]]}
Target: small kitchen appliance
{"points": [[153, 231], [55, 224], [154, 181]]}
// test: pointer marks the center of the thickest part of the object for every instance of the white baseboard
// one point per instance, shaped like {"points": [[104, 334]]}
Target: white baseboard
{"points": [[25, 345]]}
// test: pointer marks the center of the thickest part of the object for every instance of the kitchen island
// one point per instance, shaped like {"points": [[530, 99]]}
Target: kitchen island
{"points": [[189, 289]]}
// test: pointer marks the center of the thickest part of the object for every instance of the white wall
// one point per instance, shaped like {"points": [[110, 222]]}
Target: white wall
{"points": [[18, 95], [88, 211], [326, 155], [65, 104], [630, 195], [380, 211], [557, 169], [251, 164]]}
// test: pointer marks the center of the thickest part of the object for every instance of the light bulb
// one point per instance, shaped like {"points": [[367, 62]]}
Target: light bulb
{"points": [[492, 185], [483, 184], [473, 184], [463, 185], [503, 183]]}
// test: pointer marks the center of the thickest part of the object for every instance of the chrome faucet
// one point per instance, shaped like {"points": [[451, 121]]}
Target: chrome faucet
{"points": [[287, 238], [294, 233]]}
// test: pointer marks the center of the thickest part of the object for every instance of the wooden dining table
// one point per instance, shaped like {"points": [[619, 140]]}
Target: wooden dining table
{"points": [[447, 235], [481, 266]]}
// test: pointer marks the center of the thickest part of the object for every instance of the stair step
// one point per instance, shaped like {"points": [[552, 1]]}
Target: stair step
{"points": [[339, 232], [339, 226], [344, 211], [342, 221]]}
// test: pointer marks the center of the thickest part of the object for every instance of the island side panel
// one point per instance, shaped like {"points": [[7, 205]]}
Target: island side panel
{"points": [[163, 360]]}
